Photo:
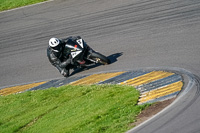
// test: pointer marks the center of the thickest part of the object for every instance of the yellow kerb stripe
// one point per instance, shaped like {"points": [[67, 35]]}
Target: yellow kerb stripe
{"points": [[95, 78], [161, 92], [147, 78], [20, 88]]}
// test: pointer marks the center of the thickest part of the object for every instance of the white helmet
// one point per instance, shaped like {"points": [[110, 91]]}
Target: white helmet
{"points": [[54, 43]]}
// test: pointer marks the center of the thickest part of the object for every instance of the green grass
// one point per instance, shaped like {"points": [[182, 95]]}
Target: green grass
{"points": [[71, 109], [10, 4]]}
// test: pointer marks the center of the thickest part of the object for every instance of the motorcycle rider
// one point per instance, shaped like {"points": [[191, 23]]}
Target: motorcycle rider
{"points": [[56, 56]]}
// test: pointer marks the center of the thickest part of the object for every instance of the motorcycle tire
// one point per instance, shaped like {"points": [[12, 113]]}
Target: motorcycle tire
{"points": [[99, 58]]}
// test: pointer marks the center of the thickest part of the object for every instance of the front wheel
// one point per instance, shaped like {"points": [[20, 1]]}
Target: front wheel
{"points": [[99, 58]]}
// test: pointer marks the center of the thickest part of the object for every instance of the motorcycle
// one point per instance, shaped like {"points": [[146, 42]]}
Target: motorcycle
{"points": [[82, 55]]}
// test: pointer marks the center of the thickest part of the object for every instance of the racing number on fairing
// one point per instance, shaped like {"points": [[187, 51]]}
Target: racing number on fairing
{"points": [[74, 54], [80, 42]]}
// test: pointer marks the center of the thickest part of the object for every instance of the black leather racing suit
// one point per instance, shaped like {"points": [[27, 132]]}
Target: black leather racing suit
{"points": [[59, 60]]}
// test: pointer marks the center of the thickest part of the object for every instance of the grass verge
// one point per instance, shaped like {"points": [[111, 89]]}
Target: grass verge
{"points": [[94, 109], [10, 4]]}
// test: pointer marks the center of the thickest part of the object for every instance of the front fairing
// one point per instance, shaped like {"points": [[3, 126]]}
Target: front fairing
{"points": [[79, 44], [75, 48]]}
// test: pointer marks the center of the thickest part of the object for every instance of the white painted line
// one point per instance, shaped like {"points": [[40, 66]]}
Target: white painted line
{"points": [[26, 6]]}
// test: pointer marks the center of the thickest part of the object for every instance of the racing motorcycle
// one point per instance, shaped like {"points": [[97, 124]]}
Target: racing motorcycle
{"points": [[82, 55]]}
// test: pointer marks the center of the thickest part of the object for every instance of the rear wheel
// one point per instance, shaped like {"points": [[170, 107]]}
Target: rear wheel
{"points": [[99, 58]]}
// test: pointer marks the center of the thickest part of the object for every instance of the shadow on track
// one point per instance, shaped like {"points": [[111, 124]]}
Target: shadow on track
{"points": [[112, 58]]}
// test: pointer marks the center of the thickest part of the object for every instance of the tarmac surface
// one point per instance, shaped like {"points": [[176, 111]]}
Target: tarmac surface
{"points": [[134, 34]]}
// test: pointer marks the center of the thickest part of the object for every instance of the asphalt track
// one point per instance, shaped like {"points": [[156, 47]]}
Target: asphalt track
{"points": [[135, 34]]}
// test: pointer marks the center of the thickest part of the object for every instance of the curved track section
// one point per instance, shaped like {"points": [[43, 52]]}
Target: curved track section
{"points": [[154, 85], [176, 117], [134, 34]]}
